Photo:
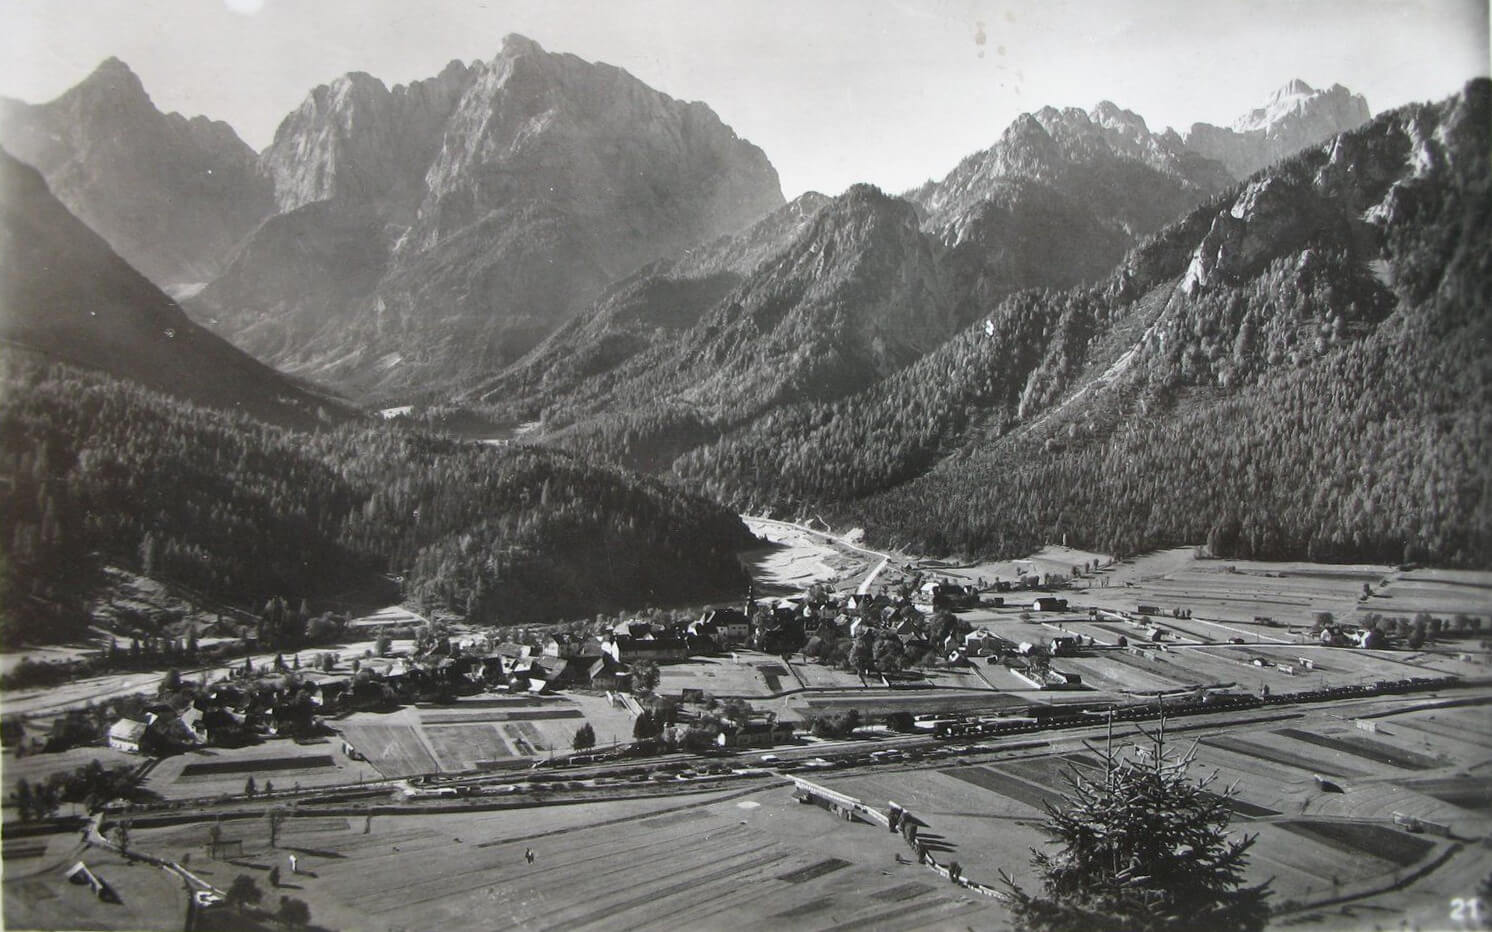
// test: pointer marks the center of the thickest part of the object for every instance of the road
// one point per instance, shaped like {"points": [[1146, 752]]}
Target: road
{"points": [[841, 541]]}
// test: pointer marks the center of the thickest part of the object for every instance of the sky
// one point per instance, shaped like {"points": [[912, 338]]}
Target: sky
{"points": [[892, 92]]}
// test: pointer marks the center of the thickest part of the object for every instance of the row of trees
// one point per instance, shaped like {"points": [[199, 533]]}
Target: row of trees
{"points": [[91, 785]]}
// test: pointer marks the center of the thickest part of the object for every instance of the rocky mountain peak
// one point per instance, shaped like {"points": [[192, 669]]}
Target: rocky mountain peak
{"points": [[357, 140], [1295, 116], [114, 75], [599, 141], [1298, 101], [860, 221], [1114, 118], [353, 87], [172, 195], [514, 45], [500, 197], [1294, 88], [112, 92]]}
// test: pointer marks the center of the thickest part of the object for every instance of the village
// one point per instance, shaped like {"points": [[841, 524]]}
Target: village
{"points": [[870, 679]]}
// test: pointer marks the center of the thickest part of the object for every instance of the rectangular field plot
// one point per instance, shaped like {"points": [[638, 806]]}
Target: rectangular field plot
{"points": [[215, 768], [1357, 838], [1052, 771], [1008, 786], [774, 673], [395, 750], [1124, 673], [525, 739], [807, 909], [882, 704], [902, 893], [1468, 730], [1474, 793], [674, 818], [1280, 756], [503, 702], [20, 851], [814, 871], [460, 747], [497, 715], [1366, 748]]}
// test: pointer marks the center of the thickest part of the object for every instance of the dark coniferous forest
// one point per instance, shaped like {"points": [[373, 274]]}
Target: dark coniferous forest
{"points": [[1325, 396], [103, 471]]}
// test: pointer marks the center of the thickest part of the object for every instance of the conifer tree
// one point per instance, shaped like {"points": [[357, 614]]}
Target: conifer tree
{"points": [[1143, 847], [585, 737]]}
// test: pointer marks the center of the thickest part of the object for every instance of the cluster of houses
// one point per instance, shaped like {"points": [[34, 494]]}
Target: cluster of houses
{"points": [[294, 703], [224, 715]]}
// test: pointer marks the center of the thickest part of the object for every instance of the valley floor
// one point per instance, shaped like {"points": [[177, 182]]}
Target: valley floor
{"points": [[738, 851]]}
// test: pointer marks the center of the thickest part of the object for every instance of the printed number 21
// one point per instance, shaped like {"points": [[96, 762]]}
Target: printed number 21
{"points": [[1466, 909]]}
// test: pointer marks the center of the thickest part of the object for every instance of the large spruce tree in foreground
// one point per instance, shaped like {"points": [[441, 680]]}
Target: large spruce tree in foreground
{"points": [[1143, 847]]}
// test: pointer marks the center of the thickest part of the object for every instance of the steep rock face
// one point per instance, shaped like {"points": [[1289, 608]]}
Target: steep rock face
{"points": [[356, 140], [1063, 194], [646, 173], [66, 295], [503, 197], [1082, 154], [172, 195], [1269, 217], [1059, 199], [1295, 116]]}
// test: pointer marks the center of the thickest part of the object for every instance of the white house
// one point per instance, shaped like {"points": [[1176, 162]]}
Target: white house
{"points": [[126, 735]]}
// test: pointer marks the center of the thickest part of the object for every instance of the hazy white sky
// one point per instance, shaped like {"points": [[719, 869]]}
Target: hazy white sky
{"points": [[835, 91]]}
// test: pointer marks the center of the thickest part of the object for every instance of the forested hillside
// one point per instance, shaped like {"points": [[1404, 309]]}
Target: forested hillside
{"points": [[642, 312], [855, 295], [66, 296], [1298, 368], [94, 470], [820, 301]]}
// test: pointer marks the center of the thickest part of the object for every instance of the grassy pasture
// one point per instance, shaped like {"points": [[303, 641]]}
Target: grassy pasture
{"points": [[716, 861]]}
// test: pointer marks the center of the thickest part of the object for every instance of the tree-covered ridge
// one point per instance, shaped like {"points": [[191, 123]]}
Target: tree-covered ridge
{"points": [[854, 296], [649, 307], [97, 470], [1296, 369], [821, 299]]}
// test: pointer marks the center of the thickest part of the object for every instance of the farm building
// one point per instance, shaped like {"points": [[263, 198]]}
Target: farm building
{"points": [[757, 735], [628, 649], [949, 595], [728, 625], [569, 645], [126, 735]]}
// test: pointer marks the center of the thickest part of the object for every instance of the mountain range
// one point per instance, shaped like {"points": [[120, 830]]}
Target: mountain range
{"points": [[831, 296], [413, 241], [1295, 369], [980, 364], [406, 239]]}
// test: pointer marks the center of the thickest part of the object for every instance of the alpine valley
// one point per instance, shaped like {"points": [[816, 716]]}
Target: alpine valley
{"points": [[1270, 337]]}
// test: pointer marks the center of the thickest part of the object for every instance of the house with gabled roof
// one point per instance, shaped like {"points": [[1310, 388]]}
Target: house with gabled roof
{"points": [[127, 735]]}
